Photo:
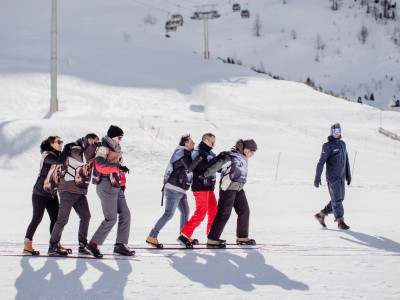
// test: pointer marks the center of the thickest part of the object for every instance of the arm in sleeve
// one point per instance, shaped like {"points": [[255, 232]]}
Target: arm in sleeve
{"points": [[320, 166], [189, 164], [214, 168], [348, 172], [57, 160], [105, 167]]}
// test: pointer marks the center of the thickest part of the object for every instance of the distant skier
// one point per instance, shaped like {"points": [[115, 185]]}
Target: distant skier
{"points": [[203, 191], [177, 180], [73, 188], [109, 177], [233, 165], [44, 196], [334, 154]]}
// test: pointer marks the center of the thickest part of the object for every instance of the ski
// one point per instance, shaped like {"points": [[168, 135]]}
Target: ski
{"points": [[105, 256], [201, 247]]}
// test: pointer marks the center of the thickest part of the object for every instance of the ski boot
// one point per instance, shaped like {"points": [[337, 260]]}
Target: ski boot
{"points": [[216, 243], [194, 241], [82, 249], [28, 249], [94, 250], [183, 240], [55, 250], [321, 217], [122, 249], [245, 241], [342, 225], [154, 242], [69, 250]]}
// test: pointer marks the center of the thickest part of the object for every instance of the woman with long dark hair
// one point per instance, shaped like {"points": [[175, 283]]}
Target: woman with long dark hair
{"points": [[44, 196]]}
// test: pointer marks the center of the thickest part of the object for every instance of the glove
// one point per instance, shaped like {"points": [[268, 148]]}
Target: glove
{"points": [[221, 155], [317, 183], [124, 169], [123, 187], [348, 181], [70, 145], [201, 177]]}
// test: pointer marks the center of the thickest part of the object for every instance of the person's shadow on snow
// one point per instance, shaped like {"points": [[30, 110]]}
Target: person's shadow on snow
{"points": [[229, 269], [49, 281], [112, 282], [379, 242]]}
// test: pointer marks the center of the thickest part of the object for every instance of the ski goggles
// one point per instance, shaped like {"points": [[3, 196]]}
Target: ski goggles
{"points": [[336, 130]]}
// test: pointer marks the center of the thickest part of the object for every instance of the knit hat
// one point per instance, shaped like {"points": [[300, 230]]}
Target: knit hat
{"points": [[114, 131], [250, 144]]}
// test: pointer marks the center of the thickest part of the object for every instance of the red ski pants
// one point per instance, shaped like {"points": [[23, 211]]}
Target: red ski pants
{"points": [[206, 203]]}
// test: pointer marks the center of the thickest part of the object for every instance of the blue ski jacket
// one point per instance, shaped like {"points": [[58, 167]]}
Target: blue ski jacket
{"points": [[334, 154]]}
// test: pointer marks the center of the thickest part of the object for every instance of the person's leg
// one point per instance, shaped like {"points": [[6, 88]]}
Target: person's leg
{"points": [[38, 205], [52, 207], [67, 200], [336, 190], [109, 203], [225, 204], [183, 207], [212, 208], [199, 214], [81, 207], [171, 203], [124, 219], [243, 211]]}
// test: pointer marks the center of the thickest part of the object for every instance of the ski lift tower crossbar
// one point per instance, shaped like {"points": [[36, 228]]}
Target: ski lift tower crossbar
{"points": [[205, 12]]}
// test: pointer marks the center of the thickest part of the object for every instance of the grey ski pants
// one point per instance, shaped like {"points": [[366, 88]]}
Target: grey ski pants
{"points": [[115, 208], [67, 202]]}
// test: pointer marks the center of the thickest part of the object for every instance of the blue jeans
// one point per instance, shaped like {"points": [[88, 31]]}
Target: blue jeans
{"points": [[336, 191], [173, 199]]}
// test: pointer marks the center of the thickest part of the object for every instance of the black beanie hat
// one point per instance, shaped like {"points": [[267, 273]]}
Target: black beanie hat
{"points": [[114, 131], [250, 144]]}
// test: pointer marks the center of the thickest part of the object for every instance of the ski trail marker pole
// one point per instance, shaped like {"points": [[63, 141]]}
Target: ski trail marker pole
{"points": [[277, 167], [354, 162]]}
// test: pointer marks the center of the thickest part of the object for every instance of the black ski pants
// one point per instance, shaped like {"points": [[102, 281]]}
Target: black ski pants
{"points": [[39, 205], [228, 200], [67, 202]]}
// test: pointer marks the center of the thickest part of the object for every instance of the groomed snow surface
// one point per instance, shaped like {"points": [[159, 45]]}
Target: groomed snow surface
{"points": [[155, 97]]}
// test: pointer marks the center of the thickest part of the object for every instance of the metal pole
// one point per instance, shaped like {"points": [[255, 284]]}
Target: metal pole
{"points": [[206, 51], [53, 99]]}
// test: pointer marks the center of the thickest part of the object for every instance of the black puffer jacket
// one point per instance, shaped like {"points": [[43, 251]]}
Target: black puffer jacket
{"points": [[54, 158], [202, 184]]}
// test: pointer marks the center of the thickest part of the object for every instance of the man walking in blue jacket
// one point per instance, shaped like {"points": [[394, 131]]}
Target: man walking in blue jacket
{"points": [[334, 154]]}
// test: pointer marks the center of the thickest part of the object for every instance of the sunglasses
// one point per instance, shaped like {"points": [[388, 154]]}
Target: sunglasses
{"points": [[119, 137], [212, 143], [59, 142], [253, 152], [336, 130]]}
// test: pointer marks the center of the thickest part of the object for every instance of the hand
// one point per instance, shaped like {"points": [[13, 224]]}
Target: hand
{"points": [[201, 177], [348, 181], [221, 155], [123, 187], [124, 169], [317, 183]]}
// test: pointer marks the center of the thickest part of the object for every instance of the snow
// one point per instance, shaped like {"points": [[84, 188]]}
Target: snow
{"points": [[156, 89]]}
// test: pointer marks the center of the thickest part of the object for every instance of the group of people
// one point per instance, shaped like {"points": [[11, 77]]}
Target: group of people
{"points": [[68, 172]]}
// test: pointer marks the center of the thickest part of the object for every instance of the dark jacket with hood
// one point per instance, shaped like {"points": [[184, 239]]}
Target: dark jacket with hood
{"points": [[334, 154], [206, 184], [51, 158], [233, 165]]}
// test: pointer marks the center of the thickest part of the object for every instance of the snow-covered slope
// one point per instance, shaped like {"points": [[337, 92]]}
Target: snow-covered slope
{"points": [[156, 91], [96, 37]]}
